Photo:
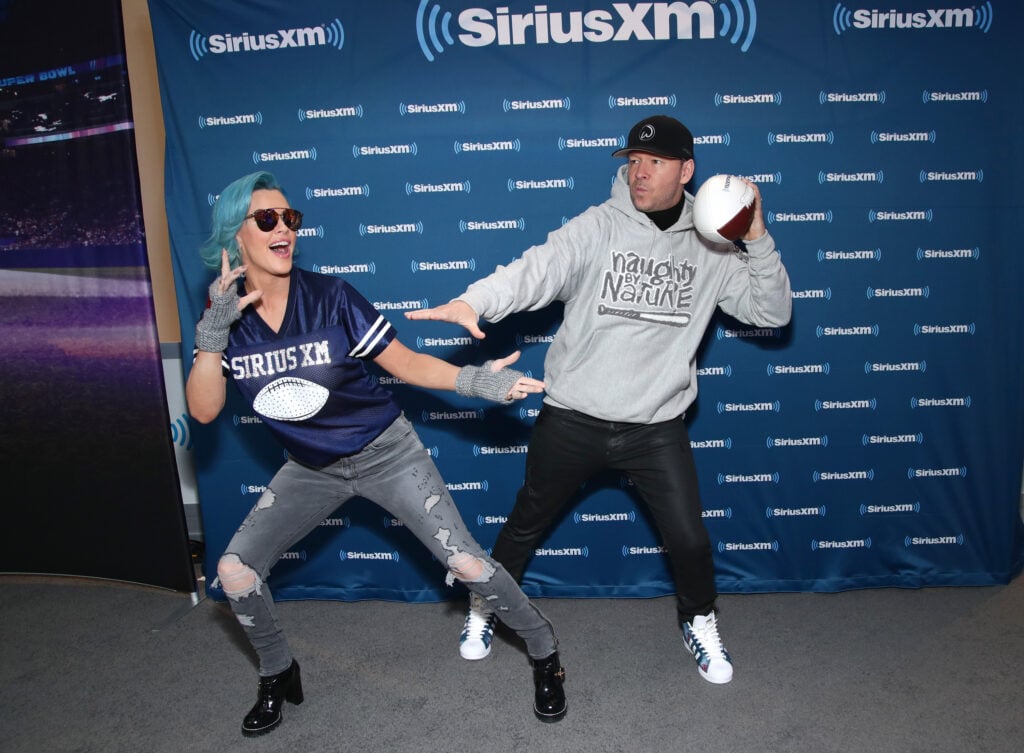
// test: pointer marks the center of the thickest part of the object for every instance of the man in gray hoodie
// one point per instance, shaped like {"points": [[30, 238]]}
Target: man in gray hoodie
{"points": [[639, 287]]}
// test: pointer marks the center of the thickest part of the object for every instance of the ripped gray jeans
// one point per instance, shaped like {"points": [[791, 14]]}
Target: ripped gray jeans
{"points": [[395, 472]]}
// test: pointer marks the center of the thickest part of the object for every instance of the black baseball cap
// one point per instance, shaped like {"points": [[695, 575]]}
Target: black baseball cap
{"points": [[661, 135]]}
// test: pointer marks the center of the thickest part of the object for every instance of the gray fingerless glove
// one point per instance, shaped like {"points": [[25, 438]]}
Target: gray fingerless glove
{"points": [[215, 324], [480, 381]]}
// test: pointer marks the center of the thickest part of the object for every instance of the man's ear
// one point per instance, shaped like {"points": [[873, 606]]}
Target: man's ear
{"points": [[689, 167]]}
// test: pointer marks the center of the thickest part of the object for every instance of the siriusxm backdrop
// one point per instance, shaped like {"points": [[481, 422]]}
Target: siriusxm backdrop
{"points": [[876, 441]]}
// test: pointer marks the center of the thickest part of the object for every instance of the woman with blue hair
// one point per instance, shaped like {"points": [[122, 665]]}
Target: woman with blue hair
{"points": [[295, 344]]}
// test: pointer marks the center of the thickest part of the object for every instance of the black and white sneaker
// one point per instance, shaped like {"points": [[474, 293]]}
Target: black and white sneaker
{"points": [[478, 630]]}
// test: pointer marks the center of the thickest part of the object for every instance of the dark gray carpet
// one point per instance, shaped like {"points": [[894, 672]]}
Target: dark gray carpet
{"points": [[99, 667]]}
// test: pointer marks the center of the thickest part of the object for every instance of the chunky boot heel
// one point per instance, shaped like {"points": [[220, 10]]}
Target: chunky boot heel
{"points": [[549, 701], [273, 692]]}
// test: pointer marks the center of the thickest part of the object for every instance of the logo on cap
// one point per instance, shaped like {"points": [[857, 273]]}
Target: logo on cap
{"points": [[647, 132]]}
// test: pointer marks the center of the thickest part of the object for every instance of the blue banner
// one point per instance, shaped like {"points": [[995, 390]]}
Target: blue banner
{"points": [[876, 441]]}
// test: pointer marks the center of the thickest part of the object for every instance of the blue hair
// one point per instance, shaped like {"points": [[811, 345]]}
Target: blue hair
{"points": [[228, 215]]}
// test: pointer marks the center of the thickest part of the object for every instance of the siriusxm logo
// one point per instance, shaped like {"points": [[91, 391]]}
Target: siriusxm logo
{"points": [[862, 19], [736, 21], [904, 137], [948, 253], [385, 151], [533, 339], [822, 216], [323, 35], [452, 415], [772, 442], [867, 254], [795, 512], [506, 145], [960, 96], [336, 192], [873, 292], [709, 371], [909, 541], [569, 551], [877, 176], [870, 439], [294, 154], [864, 404], [828, 98], [402, 305], [601, 142], [876, 368], [469, 486], [212, 121], [724, 334], [336, 523], [452, 187], [511, 105], [611, 517], [346, 269], [748, 478], [658, 100], [748, 546], [509, 224], [817, 293], [958, 176], [443, 266], [764, 98], [901, 507], [180, 433], [865, 475], [635, 551], [491, 520], [945, 329], [764, 407], [444, 342], [399, 227], [824, 137], [518, 449], [711, 444], [805, 368], [941, 402], [333, 112], [349, 556], [533, 184], [818, 544], [860, 330], [438, 108]]}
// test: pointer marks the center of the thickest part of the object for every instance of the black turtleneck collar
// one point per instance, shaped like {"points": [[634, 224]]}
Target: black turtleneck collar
{"points": [[666, 218]]}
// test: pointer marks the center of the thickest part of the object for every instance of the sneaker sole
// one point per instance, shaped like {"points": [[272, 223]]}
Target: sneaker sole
{"points": [[712, 680], [704, 674], [473, 656]]}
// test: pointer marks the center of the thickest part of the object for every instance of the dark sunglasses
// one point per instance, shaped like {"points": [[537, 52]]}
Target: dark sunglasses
{"points": [[266, 219]]}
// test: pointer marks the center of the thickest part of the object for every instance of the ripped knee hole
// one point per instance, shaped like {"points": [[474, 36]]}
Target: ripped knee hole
{"points": [[466, 567], [236, 578]]}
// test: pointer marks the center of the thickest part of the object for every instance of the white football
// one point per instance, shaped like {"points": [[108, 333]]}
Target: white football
{"points": [[723, 208], [290, 399]]}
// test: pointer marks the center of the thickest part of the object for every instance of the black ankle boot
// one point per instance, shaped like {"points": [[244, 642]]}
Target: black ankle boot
{"points": [[549, 702], [273, 692]]}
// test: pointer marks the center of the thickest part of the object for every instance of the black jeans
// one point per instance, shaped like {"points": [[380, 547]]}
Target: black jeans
{"points": [[567, 448]]}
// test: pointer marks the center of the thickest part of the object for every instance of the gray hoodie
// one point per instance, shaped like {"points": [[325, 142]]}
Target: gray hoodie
{"points": [[637, 302]]}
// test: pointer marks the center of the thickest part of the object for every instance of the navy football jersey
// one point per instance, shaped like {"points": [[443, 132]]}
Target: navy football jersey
{"points": [[308, 382]]}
